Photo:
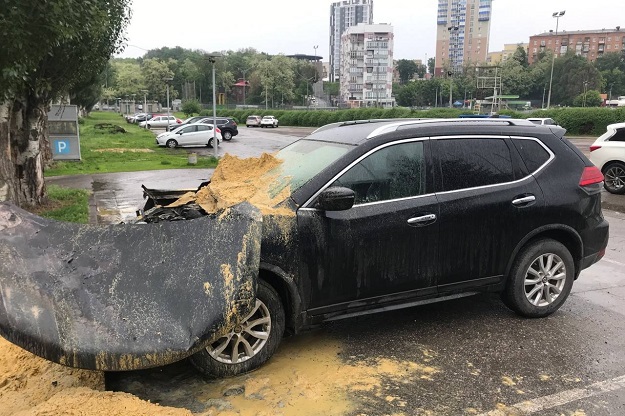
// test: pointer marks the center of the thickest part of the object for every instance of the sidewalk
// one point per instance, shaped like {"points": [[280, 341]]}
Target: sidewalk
{"points": [[116, 197]]}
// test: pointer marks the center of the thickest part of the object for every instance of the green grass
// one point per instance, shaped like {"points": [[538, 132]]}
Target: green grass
{"points": [[64, 204], [136, 150]]}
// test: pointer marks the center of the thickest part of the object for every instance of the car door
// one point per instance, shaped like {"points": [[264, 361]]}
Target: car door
{"points": [[205, 133], [488, 204], [188, 136], [383, 249]]}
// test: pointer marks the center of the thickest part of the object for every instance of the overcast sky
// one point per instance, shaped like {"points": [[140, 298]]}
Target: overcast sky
{"points": [[297, 26]]}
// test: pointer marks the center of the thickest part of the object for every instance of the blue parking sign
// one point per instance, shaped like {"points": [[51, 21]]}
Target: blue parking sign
{"points": [[62, 147]]}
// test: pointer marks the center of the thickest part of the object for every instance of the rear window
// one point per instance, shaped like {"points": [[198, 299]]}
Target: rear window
{"points": [[619, 136], [533, 154], [470, 163]]}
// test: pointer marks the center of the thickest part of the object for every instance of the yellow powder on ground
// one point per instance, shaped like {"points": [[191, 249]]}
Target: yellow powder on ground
{"points": [[237, 180], [30, 385]]}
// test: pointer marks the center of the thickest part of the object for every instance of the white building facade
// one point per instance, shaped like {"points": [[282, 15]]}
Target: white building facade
{"points": [[344, 14], [366, 78]]}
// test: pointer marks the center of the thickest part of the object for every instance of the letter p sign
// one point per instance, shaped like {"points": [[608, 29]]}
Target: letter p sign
{"points": [[61, 147]]}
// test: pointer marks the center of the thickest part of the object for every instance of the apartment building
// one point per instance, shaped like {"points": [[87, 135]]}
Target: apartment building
{"points": [[509, 49], [590, 44], [367, 66], [344, 14], [462, 34]]}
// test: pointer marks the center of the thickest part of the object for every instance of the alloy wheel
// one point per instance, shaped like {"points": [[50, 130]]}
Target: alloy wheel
{"points": [[246, 339], [545, 279], [615, 178]]}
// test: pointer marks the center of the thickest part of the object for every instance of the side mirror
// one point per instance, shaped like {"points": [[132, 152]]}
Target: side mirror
{"points": [[336, 198]]}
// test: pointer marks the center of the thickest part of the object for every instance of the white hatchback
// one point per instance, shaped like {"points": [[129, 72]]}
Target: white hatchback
{"points": [[196, 134], [608, 154], [160, 121]]}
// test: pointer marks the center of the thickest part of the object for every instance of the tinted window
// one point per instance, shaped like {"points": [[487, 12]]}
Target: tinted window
{"points": [[533, 154], [189, 129], [390, 173], [467, 163], [204, 128], [619, 136]]}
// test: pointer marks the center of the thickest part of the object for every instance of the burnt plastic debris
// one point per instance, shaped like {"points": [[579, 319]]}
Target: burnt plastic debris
{"points": [[160, 213], [125, 297]]}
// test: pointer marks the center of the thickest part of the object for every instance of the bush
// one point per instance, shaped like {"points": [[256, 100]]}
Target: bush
{"points": [[190, 107]]}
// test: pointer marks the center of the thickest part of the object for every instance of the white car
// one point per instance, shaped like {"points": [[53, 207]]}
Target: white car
{"points": [[196, 134], [608, 154], [543, 121], [160, 121], [269, 121]]}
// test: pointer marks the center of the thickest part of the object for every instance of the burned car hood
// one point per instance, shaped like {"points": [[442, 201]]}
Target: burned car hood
{"points": [[127, 296]]}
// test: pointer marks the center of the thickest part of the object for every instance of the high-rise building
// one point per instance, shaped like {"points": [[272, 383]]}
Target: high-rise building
{"points": [[344, 14], [463, 33], [366, 78]]}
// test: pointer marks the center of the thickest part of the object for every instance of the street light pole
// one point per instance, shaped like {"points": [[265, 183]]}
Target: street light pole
{"points": [[167, 81], [145, 107], [212, 58], [452, 30], [557, 15]]}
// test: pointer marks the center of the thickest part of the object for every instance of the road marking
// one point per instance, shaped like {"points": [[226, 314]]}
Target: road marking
{"points": [[614, 262], [558, 399]]}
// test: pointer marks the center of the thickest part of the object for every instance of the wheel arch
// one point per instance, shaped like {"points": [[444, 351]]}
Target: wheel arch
{"points": [[559, 232], [287, 290], [609, 162]]}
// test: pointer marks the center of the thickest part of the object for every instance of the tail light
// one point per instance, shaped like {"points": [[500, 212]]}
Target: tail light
{"points": [[593, 148], [591, 175], [218, 130]]}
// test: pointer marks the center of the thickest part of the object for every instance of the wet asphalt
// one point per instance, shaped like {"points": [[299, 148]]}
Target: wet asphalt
{"points": [[488, 360]]}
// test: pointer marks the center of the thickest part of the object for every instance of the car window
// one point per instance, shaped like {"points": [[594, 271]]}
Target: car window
{"points": [[393, 172], [619, 136], [469, 163], [189, 129], [204, 128], [535, 121], [533, 154]]}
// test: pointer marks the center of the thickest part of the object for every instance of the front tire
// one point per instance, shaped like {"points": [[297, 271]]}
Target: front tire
{"points": [[540, 280], [250, 344], [171, 143], [614, 178], [149, 126]]}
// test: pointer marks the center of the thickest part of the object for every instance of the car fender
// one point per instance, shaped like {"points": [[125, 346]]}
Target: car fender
{"points": [[282, 280], [546, 230]]}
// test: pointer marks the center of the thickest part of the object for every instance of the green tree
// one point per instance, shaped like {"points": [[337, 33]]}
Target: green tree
{"points": [[128, 79], [520, 56], [406, 69], [155, 72], [190, 107], [431, 65], [612, 69], [49, 47], [590, 98]]}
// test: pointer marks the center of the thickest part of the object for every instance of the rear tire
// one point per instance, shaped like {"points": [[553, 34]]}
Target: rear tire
{"points": [[614, 181], [226, 135], [210, 143], [258, 337], [171, 143], [540, 280]]}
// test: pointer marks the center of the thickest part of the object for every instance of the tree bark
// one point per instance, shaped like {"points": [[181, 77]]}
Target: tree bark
{"points": [[23, 150]]}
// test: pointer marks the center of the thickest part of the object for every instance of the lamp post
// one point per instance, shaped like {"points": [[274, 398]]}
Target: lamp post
{"points": [[585, 91], [315, 64], [167, 81], [557, 15], [212, 58], [145, 107]]}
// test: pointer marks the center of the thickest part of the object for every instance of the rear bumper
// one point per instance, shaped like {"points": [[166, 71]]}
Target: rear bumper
{"points": [[595, 243]]}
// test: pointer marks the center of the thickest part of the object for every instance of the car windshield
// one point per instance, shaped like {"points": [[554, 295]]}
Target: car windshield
{"points": [[302, 160]]}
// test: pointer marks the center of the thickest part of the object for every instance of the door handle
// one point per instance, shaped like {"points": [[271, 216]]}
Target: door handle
{"points": [[422, 219], [524, 200]]}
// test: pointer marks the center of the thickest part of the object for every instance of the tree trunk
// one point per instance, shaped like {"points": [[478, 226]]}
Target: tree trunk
{"points": [[24, 148]]}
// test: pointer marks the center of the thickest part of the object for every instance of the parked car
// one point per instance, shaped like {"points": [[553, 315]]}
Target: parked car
{"points": [[228, 127], [543, 121], [391, 214], [131, 117], [253, 121], [160, 121], [196, 134], [186, 122], [269, 121], [142, 117], [608, 154]]}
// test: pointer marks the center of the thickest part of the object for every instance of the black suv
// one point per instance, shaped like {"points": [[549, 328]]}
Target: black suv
{"points": [[227, 126], [391, 214]]}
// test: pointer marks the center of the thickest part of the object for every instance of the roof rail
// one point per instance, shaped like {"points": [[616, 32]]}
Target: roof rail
{"points": [[481, 121], [355, 122]]}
